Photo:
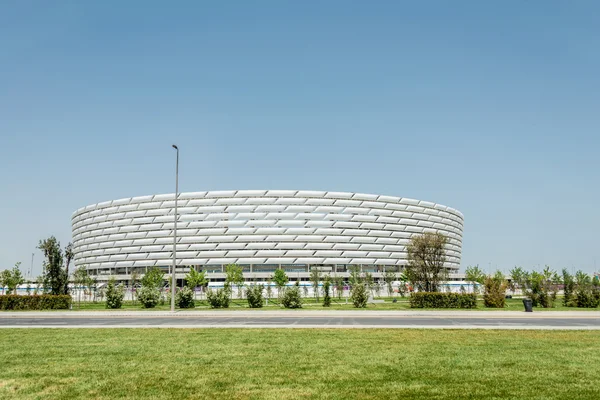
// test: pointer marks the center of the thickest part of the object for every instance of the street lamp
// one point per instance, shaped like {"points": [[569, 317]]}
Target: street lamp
{"points": [[173, 281]]}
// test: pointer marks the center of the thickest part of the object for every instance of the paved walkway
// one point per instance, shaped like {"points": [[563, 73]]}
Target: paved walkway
{"points": [[582, 320]]}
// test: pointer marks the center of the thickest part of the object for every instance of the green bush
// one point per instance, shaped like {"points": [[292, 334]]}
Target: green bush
{"points": [[291, 298], [114, 294], [218, 298], [148, 296], [35, 302], [442, 300], [586, 298], [494, 295], [255, 296], [184, 298], [359, 295]]}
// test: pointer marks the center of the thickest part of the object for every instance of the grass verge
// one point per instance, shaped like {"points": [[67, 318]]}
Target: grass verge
{"points": [[291, 364]]}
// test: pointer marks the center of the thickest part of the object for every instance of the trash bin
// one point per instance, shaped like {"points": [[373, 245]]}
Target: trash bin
{"points": [[528, 304]]}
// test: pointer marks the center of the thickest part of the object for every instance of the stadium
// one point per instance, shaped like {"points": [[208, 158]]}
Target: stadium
{"points": [[260, 230]]}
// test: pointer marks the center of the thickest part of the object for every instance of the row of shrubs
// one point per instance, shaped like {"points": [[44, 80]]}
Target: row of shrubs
{"points": [[35, 302], [442, 300]]}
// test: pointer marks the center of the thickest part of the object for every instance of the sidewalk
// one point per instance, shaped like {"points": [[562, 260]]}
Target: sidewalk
{"points": [[308, 313]]}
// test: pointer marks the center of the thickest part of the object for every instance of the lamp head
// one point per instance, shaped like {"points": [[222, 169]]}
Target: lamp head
{"points": [[175, 147]]}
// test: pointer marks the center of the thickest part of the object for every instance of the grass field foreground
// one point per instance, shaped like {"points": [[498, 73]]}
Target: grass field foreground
{"points": [[291, 364]]}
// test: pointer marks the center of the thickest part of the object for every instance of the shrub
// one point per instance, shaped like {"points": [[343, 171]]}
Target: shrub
{"points": [[291, 298], [568, 289], [326, 295], [359, 295], [442, 300], [184, 298], [218, 298], [114, 294], [35, 302], [587, 298], [494, 295], [255, 296], [148, 296]]}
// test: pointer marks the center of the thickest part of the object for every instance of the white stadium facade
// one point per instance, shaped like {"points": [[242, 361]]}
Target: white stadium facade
{"points": [[260, 230]]}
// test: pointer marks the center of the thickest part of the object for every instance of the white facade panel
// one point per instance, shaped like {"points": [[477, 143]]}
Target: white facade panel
{"points": [[260, 226]]}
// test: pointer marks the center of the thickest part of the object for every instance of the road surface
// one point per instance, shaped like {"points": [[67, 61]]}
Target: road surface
{"points": [[303, 319]]}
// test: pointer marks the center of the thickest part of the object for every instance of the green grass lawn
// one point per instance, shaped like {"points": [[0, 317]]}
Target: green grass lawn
{"points": [[311, 304], [298, 363]]}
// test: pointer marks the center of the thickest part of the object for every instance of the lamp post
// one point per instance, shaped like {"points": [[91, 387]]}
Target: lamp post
{"points": [[173, 280]]}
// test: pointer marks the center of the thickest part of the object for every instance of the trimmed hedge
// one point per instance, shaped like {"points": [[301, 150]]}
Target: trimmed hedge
{"points": [[442, 300], [35, 302]]}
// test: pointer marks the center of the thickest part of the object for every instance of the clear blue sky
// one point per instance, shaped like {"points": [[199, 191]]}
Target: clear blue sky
{"points": [[492, 108]]}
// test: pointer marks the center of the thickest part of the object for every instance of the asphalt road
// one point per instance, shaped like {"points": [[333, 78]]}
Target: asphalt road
{"points": [[298, 321]]}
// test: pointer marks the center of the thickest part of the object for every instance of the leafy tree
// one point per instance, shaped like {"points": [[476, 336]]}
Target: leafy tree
{"points": [[402, 287], [355, 276], [114, 294], [153, 278], [326, 295], [476, 276], [5, 278], [134, 280], [80, 279], [338, 282], [540, 287], [519, 278], [55, 275], [315, 278], [269, 289], [39, 283], [12, 279], [426, 259], [234, 275], [587, 294], [195, 279], [369, 282], [281, 279], [68, 257], [389, 277]]}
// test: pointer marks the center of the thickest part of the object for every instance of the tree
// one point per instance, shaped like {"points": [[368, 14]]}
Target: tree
{"points": [[12, 279], [80, 279], [518, 279], [326, 296], [134, 280], [68, 257], [269, 290], [281, 279], [153, 278], [568, 289], [234, 275], [39, 284], [338, 281], [5, 277], [370, 283], [475, 275], [389, 277], [55, 275], [426, 258], [315, 278], [195, 279]]}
